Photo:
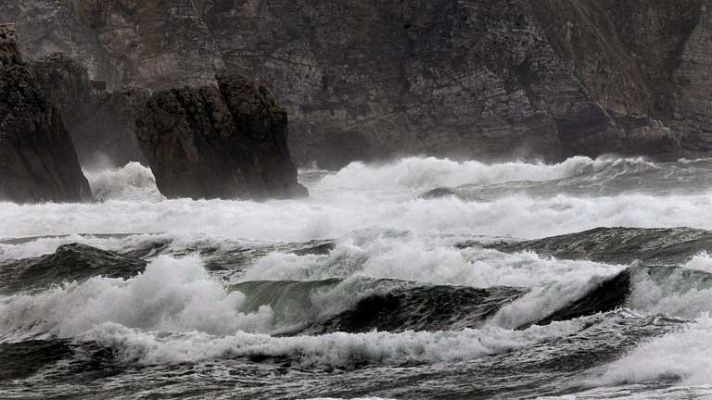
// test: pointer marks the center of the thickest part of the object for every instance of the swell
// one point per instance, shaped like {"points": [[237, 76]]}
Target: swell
{"points": [[356, 299], [395, 308], [618, 245], [69, 263], [422, 308], [125, 305], [602, 177], [20, 360]]}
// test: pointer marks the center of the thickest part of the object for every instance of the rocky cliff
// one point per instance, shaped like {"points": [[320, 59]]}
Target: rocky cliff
{"points": [[101, 123], [37, 157], [227, 142], [366, 79]]}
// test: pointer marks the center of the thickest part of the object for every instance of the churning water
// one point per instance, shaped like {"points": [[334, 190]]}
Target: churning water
{"points": [[422, 278]]}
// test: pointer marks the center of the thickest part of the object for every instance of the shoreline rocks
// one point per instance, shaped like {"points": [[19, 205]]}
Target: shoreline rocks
{"points": [[38, 162], [227, 142]]}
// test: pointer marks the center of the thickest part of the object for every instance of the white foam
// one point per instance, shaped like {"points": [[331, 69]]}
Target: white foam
{"points": [[176, 295], [674, 297], [299, 220], [385, 231], [361, 197], [700, 262], [130, 182], [684, 355], [427, 173], [434, 260], [334, 349], [35, 247]]}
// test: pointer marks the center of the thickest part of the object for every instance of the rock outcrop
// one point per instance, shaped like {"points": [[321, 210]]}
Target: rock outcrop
{"points": [[471, 78], [37, 158], [101, 123], [227, 141]]}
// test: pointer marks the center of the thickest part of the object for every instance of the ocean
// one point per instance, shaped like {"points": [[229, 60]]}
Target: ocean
{"points": [[418, 278]]}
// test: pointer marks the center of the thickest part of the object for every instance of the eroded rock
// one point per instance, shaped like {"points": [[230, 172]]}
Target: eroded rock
{"points": [[486, 79], [37, 157], [227, 142], [102, 123]]}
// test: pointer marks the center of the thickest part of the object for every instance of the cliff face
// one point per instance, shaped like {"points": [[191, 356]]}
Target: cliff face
{"points": [[691, 100], [122, 42], [223, 142], [101, 123], [365, 79], [37, 157]]}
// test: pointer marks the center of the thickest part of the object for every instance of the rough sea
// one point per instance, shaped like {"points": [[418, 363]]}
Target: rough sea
{"points": [[420, 278]]}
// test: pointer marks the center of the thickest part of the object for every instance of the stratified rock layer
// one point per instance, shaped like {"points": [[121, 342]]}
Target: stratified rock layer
{"points": [[365, 79], [224, 142], [37, 157]]}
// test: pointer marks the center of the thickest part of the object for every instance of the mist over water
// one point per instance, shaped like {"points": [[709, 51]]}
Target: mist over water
{"points": [[372, 286]]}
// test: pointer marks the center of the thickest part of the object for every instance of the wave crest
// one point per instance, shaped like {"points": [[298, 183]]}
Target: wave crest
{"points": [[130, 182]]}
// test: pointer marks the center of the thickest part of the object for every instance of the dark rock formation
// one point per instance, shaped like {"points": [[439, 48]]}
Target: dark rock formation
{"points": [[121, 42], [102, 124], [37, 158], [473, 78], [225, 142], [9, 54]]}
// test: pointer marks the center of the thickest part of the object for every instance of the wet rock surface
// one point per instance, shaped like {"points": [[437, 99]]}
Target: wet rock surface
{"points": [[101, 123], [224, 142], [37, 157]]}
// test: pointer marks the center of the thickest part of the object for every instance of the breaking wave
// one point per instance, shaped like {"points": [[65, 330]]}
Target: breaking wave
{"points": [[176, 295], [683, 357], [335, 349], [130, 182], [423, 173], [367, 275], [342, 203]]}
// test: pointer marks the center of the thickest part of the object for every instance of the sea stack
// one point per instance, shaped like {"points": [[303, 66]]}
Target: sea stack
{"points": [[38, 161], [227, 141]]}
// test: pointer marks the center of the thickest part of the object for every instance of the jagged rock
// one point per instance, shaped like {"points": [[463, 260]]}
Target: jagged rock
{"points": [[125, 43], [228, 141], [37, 158], [102, 124], [470, 78]]}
